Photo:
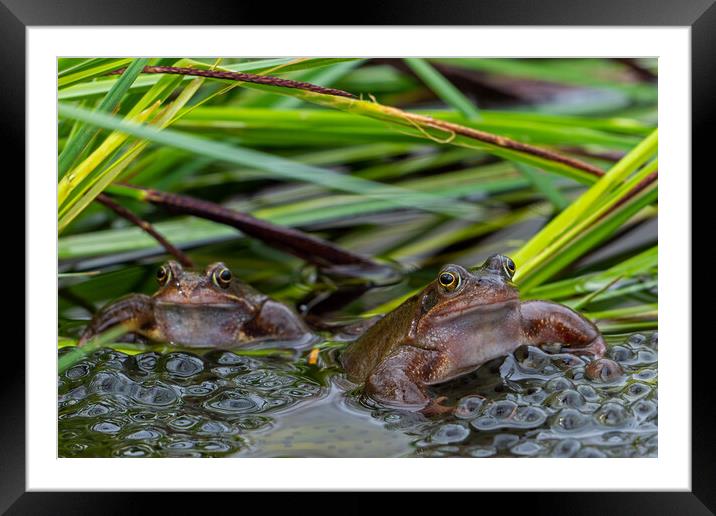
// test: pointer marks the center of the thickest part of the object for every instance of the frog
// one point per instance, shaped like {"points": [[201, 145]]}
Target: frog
{"points": [[458, 322], [209, 309]]}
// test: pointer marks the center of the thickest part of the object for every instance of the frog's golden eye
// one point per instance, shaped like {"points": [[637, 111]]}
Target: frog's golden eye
{"points": [[164, 274], [222, 277], [509, 266], [449, 280]]}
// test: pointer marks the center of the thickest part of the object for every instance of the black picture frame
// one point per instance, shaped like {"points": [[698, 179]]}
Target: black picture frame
{"points": [[17, 15]]}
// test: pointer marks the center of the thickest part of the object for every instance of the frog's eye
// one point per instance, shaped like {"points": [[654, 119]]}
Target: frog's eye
{"points": [[509, 266], [222, 277], [449, 280], [164, 274]]}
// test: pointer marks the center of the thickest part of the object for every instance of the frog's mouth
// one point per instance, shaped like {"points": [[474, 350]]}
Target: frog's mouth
{"points": [[470, 309], [238, 305], [195, 304]]}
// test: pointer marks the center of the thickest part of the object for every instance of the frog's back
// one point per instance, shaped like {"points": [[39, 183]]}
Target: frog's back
{"points": [[381, 339]]}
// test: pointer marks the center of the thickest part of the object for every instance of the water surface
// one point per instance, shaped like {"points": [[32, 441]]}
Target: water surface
{"points": [[222, 404]]}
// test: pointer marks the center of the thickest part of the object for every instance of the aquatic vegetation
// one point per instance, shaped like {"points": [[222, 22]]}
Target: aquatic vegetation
{"points": [[422, 162]]}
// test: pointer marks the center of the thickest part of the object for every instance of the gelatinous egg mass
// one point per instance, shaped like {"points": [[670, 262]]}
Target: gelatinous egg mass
{"points": [[219, 404]]}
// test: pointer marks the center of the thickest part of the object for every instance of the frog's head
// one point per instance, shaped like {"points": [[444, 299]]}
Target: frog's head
{"points": [[215, 286], [456, 290]]}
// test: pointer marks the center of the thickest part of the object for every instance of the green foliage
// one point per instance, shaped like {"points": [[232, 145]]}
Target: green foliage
{"points": [[396, 173]]}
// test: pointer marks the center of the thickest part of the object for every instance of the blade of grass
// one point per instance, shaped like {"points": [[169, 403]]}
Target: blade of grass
{"points": [[454, 97], [447, 132], [545, 185], [145, 82], [383, 172], [576, 73], [442, 132], [434, 129], [584, 205], [93, 182], [340, 156], [629, 313], [642, 263], [582, 238], [75, 144], [79, 180], [278, 167], [445, 239], [70, 188], [546, 130], [593, 295], [443, 88], [325, 208], [616, 293], [66, 66], [95, 70]]}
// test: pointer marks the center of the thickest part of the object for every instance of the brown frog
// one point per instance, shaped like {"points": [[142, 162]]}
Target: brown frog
{"points": [[459, 321], [213, 309]]}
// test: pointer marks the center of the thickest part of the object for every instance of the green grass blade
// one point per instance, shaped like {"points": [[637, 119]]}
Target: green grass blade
{"points": [[95, 70], [442, 132], [71, 184], [641, 263], [144, 82], [443, 88], [110, 102], [546, 130], [579, 242], [545, 185], [277, 166], [584, 205], [111, 172]]}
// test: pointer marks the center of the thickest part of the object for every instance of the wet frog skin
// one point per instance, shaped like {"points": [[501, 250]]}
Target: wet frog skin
{"points": [[460, 321], [212, 309]]}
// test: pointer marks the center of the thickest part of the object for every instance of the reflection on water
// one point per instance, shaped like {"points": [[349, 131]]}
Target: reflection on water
{"points": [[223, 404]]}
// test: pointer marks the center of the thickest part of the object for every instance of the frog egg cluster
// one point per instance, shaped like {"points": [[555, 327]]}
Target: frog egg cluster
{"points": [[528, 404], [172, 405], [535, 404]]}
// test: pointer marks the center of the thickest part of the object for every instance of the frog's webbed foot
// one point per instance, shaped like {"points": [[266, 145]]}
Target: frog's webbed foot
{"points": [[392, 382], [436, 407], [596, 348], [135, 312], [544, 322]]}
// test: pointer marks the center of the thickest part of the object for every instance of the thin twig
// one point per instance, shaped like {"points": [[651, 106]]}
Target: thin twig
{"points": [[314, 250], [504, 142], [450, 127], [268, 80], [147, 227]]}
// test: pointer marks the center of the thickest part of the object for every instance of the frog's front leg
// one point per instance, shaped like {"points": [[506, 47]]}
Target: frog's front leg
{"points": [[276, 321], [135, 312], [544, 322], [398, 379]]}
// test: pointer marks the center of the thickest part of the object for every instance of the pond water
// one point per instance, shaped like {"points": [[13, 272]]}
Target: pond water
{"points": [[224, 404]]}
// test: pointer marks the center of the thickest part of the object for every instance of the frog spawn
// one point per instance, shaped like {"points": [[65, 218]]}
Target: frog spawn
{"points": [[529, 404], [173, 405], [535, 404]]}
